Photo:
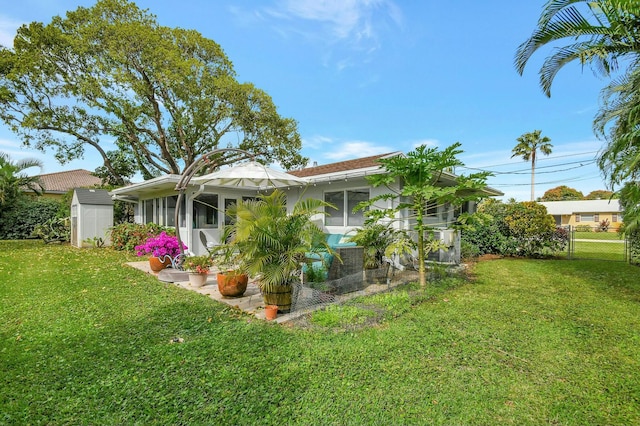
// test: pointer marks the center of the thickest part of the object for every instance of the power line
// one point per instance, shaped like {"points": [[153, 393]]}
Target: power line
{"points": [[528, 171], [547, 158]]}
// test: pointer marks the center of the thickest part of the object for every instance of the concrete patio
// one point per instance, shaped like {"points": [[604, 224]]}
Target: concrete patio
{"points": [[251, 302]]}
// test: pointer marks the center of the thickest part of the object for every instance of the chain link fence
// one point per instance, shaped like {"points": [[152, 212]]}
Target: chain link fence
{"points": [[592, 242]]}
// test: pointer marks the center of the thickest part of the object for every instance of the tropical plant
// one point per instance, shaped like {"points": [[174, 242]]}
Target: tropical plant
{"points": [[598, 33], [14, 180], [421, 172], [618, 122], [528, 146], [160, 246], [273, 245], [200, 264], [380, 240], [54, 230]]}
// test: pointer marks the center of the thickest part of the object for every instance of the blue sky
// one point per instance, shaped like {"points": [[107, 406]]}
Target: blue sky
{"points": [[365, 77]]}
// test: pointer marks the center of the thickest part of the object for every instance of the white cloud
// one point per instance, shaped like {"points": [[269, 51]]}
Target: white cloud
{"points": [[354, 25], [344, 19], [356, 149], [8, 29]]}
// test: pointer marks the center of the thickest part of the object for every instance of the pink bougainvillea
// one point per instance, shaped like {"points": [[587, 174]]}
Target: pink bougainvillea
{"points": [[160, 245]]}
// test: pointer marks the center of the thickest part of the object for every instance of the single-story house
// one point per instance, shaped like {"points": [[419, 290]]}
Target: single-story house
{"points": [[203, 212], [57, 184], [585, 212]]}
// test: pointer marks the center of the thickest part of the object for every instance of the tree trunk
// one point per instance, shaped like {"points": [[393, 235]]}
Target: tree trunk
{"points": [[533, 174]]}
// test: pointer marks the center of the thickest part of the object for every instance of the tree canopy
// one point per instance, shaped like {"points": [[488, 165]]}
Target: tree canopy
{"points": [[562, 193], [111, 76], [599, 194]]}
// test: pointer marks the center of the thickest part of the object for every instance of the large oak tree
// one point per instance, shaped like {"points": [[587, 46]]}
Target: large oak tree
{"points": [[111, 74]]}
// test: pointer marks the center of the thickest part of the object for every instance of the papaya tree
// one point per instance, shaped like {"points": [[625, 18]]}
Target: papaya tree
{"points": [[426, 179]]}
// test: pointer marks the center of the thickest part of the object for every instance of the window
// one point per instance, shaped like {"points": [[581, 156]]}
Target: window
{"points": [[335, 216], [614, 217], [228, 202], [588, 217], [345, 202], [205, 211], [353, 199], [148, 211], [170, 210], [432, 208]]}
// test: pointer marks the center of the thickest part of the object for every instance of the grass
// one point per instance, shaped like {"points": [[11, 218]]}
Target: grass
{"points": [[602, 251], [614, 236], [85, 340]]}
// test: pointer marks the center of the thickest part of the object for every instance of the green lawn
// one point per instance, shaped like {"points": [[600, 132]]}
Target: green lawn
{"points": [[85, 340], [597, 236], [599, 250]]}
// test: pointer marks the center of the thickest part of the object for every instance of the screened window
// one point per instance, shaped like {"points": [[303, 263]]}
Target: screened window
{"points": [[170, 210], [353, 199], [205, 211], [335, 216], [345, 201], [614, 218], [228, 202], [148, 211]]}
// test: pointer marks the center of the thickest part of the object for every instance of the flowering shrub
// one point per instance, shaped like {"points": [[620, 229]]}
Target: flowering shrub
{"points": [[160, 245], [199, 264], [126, 236]]}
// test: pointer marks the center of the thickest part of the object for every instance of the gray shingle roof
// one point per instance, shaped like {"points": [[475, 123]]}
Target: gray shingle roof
{"points": [[94, 196], [582, 206]]}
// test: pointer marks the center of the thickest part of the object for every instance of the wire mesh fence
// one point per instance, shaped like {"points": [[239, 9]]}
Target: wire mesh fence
{"points": [[592, 242]]}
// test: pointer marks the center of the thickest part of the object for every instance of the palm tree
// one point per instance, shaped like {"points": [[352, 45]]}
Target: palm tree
{"points": [[618, 121], [599, 33], [273, 244], [528, 146], [13, 180]]}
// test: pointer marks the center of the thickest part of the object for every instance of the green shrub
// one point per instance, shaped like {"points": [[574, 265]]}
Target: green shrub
{"points": [[125, 236], [633, 239], [523, 229], [584, 228], [18, 221], [57, 229], [468, 250]]}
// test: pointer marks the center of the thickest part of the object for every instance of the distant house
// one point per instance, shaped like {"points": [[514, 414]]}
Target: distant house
{"points": [[58, 184], [585, 212]]}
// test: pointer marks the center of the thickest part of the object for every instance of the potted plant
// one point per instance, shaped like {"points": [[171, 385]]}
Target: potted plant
{"points": [[163, 249], [272, 245], [380, 241], [198, 268], [231, 281]]}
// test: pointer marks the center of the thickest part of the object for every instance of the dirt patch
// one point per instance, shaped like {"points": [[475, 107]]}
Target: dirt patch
{"points": [[489, 257]]}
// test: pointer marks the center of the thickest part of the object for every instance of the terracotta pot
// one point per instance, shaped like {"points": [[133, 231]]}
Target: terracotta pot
{"points": [[231, 284], [270, 312], [197, 279], [156, 265]]}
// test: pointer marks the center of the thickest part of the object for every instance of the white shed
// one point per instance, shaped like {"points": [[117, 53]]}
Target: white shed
{"points": [[91, 216]]}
